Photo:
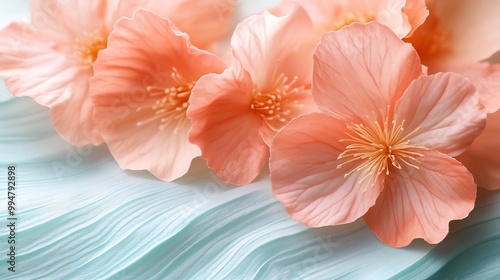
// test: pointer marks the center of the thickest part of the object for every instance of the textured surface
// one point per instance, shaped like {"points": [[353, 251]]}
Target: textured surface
{"points": [[81, 217]]}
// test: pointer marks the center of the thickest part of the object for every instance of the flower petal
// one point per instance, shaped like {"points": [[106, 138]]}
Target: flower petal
{"points": [[486, 77], [362, 68], [73, 118], [305, 175], [147, 52], [401, 16], [31, 68], [419, 203], [67, 20], [226, 128], [483, 156], [443, 112], [49, 73], [268, 46], [116, 9], [206, 21], [416, 11], [459, 31]]}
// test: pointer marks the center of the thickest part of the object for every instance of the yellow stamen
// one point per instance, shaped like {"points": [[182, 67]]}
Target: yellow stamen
{"points": [[275, 105], [377, 146], [88, 46], [171, 103]]}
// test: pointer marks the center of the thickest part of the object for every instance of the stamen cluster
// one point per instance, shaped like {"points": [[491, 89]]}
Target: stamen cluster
{"points": [[171, 102], [275, 105], [379, 145]]}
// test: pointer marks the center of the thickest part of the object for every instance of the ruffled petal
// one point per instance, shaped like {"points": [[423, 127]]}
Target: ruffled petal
{"points": [[73, 118], [67, 20], [417, 13], [361, 69], [486, 77], [62, 24], [206, 21], [49, 71], [305, 176], [483, 156], [32, 68], [420, 203], [442, 112], [268, 46], [226, 128], [140, 90], [166, 153]]}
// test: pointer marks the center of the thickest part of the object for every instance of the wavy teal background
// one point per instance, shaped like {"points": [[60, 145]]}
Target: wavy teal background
{"points": [[81, 217]]}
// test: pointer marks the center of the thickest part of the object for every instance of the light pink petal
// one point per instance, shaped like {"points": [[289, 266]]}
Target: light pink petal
{"points": [[442, 112], [305, 177], [361, 69], [420, 203], [49, 71], [206, 21], [61, 24], [226, 128], [73, 118], [268, 46], [145, 52], [483, 156], [416, 11], [31, 68], [466, 31], [67, 20], [486, 77]]}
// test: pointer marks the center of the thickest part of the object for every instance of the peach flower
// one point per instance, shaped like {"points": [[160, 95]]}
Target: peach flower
{"points": [[236, 114], [458, 36], [51, 58], [141, 91], [383, 145], [402, 16]]}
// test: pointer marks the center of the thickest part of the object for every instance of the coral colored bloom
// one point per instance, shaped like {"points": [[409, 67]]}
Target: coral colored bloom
{"points": [[236, 114], [456, 37], [402, 16], [382, 146], [51, 58], [141, 91]]}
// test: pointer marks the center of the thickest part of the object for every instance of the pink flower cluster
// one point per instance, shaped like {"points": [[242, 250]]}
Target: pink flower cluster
{"points": [[385, 109]]}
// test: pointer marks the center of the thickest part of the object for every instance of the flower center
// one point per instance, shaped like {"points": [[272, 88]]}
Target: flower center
{"points": [[171, 103], [348, 18], [87, 47], [275, 106], [377, 146]]}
